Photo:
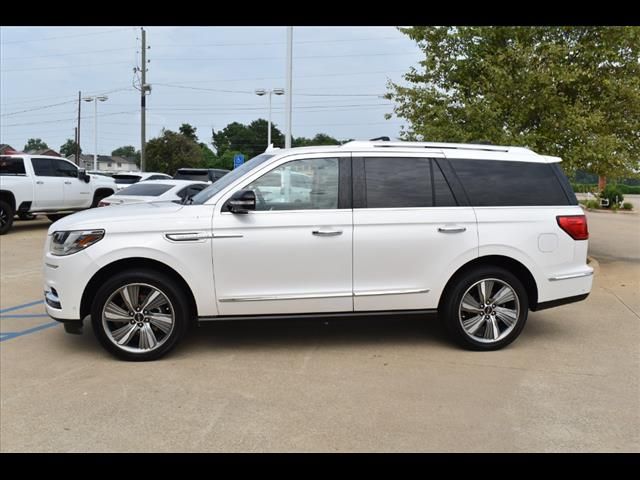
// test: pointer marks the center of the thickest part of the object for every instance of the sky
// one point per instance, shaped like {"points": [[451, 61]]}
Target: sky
{"points": [[205, 76]]}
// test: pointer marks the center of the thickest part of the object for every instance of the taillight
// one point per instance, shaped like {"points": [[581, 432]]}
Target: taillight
{"points": [[574, 225]]}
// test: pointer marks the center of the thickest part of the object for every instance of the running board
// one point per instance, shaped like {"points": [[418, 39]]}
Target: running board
{"points": [[302, 316]]}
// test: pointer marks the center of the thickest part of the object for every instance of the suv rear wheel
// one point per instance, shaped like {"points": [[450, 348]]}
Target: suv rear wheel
{"points": [[6, 217], [486, 309], [140, 315]]}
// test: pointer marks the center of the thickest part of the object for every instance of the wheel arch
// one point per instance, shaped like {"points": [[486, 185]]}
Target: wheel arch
{"points": [[134, 263], [101, 193], [8, 197], [509, 264]]}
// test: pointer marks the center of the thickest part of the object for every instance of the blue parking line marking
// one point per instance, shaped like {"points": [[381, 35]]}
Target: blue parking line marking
{"points": [[18, 307], [24, 315], [10, 335]]}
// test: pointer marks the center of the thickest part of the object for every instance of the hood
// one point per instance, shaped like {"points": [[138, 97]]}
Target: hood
{"points": [[134, 217]]}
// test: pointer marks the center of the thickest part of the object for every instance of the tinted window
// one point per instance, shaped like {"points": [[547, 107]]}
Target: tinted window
{"points": [[319, 192], [442, 195], [398, 182], [11, 166], [159, 177], [43, 167], [144, 189], [491, 183], [201, 175], [191, 190], [126, 179], [64, 169]]}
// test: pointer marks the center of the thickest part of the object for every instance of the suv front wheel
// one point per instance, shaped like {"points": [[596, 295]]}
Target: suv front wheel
{"points": [[140, 315], [486, 309]]}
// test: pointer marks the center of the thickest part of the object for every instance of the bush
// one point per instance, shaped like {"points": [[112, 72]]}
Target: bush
{"points": [[627, 206], [629, 189], [613, 194], [592, 204], [584, 187]]}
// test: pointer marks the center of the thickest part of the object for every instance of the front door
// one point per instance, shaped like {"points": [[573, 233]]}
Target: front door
{"points": [[77, 193], [293, 254]]}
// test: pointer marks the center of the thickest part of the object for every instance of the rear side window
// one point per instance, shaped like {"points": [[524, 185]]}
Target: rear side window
{"points": [[126, 179], [11, 166], [497, 183], [144, 189], [398, 182], [192, 175], [43, 167], [405, 183]]}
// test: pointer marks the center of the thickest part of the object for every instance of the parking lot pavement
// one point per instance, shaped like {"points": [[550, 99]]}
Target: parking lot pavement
{"points": [[569, 383]]}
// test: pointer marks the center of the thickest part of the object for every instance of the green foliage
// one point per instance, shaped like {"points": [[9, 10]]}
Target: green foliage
{"points": [[573, 91], [35, 144], [128, 152], [629, 189], [319, 139], [69, 148], [250, 140], [613, 194], [592, 204], [209, 158], [172, 151], [188, 131], [627, 206]]}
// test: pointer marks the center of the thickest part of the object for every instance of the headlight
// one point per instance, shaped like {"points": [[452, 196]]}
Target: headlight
{"points": [[66, 243]]}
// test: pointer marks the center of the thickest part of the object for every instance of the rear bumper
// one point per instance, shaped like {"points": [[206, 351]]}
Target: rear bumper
{"points": [[560, 301]]}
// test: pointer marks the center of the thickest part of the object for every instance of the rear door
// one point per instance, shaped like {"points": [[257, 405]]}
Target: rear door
{"points": [[49, 187], [409, 229]]}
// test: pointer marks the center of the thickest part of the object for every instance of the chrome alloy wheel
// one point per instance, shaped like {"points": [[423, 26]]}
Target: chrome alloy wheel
{"points": [[489, 310], [138, 318]]}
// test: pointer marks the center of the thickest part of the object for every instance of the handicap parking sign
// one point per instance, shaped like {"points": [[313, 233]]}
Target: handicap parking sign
{"points": [[238, 159]]}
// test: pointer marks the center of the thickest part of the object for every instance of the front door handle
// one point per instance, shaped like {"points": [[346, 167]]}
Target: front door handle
{"points": [[452, 229], [327, 233], [67, 183], [39, 182]]}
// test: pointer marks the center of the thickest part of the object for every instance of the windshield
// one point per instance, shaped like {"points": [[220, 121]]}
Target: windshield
{"points": [[229, 178], [126, 179]]}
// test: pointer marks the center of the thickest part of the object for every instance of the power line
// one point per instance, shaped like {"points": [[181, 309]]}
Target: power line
{"points": [[275, 43], [37, 108], [66, 54], [300, 57], [65, 36], [66, 119], [66, 67]]}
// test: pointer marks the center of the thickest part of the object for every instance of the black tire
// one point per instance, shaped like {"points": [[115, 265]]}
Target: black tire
{"points": [[6, 217], [452, 314], [54, 217], [167, 286]]}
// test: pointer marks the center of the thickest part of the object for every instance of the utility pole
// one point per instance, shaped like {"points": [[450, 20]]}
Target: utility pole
{"points": [[143, 99], [288, 88], [78, 130]]}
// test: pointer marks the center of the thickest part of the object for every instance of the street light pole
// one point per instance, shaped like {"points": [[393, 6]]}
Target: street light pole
{"points": [[95, 100], [260, 92]]}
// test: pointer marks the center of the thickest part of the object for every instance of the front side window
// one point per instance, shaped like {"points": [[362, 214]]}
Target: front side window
{"points": [[309, 184], [11, 166], [64, 169]]}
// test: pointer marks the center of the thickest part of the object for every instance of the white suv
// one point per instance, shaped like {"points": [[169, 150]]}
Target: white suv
{"points": [[481, 234]]}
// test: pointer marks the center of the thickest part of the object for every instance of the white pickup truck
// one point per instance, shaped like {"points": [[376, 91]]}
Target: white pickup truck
{"points": [[50, 185]]}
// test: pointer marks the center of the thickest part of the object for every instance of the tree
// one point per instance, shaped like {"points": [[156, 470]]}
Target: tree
{"points": [[129, 152], [172, 151], [250, 140], [35, 144], [188, 131], [319, 139], [69, 148], [572, 92]]}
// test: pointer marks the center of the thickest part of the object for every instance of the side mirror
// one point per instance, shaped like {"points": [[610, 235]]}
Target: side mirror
{"points": [[82, 175], [242, 201]]}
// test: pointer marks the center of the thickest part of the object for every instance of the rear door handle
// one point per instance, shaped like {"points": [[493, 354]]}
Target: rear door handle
{"points": [[327, 233], [39, 182], [452, 229], [67, 183]]}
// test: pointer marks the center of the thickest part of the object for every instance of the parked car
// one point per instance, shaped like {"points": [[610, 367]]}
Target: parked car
{"points": [[479, 234], [155, 191], [123, 180], [202, 174], [32, 184]]}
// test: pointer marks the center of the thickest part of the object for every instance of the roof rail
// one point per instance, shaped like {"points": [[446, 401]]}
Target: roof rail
{"points": [[456, 146], [384, 139]]}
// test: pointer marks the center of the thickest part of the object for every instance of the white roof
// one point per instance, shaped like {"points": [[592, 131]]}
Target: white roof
{"points": [[450, 150]]}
